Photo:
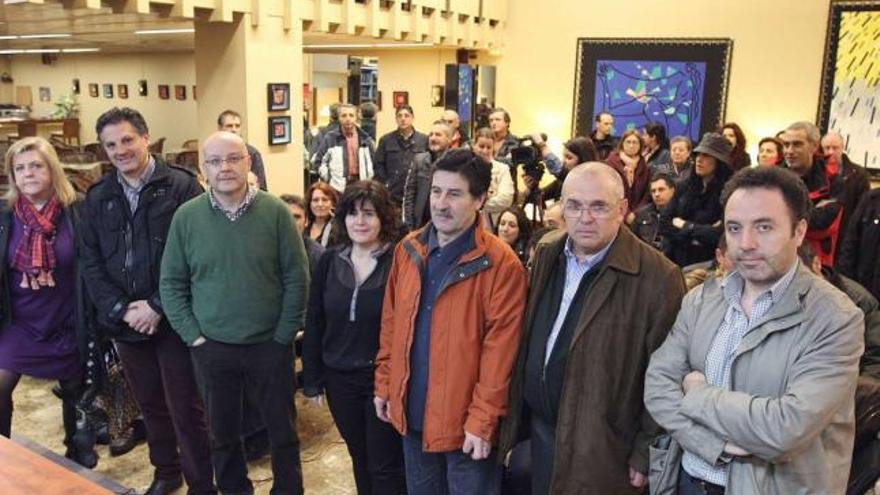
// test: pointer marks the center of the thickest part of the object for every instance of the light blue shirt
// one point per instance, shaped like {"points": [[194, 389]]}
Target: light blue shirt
{"points": [[574, 272], [719, 360]]}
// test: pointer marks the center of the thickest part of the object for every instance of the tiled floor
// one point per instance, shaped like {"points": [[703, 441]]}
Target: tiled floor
{"points": [[326, 465]]}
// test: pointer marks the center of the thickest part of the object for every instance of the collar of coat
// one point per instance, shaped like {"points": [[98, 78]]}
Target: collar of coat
{"points": [[788, 312], [623, 255], [112, 187], [471, 263]]}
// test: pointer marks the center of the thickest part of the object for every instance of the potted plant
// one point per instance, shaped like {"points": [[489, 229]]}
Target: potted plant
{"points": [[67, 107]]}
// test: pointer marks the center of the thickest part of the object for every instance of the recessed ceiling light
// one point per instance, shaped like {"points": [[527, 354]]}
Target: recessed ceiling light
{"points": [[43, 50], [42, 36], [10, 52], [166, 31], [79, 50], [8, 37]]}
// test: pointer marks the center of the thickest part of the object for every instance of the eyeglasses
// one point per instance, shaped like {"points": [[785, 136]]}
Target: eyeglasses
{"points": [[574, 211], [232, 160]]}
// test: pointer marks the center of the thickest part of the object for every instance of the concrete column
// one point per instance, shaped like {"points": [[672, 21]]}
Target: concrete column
{"points": [[234, 64]]}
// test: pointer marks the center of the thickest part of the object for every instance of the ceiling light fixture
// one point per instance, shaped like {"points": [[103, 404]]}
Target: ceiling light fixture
{"points": [[42, 36], [8, 37], [11, 52], [370, 45], [80, 50], [166, 31], [43, 50]]}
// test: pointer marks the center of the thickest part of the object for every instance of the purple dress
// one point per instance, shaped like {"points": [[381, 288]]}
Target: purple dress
{"points": [[41, 340]]}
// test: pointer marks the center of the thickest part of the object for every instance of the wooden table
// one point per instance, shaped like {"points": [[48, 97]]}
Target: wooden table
{"points": [[30, 127], [24, 472]]}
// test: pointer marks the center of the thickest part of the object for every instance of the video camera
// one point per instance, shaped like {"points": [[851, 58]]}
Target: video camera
{"points": [[529, 156]]}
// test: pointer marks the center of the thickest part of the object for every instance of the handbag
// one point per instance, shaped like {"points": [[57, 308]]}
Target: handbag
{"points": [[665, 464]]}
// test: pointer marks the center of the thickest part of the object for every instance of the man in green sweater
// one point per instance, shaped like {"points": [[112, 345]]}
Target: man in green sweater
{"points": [[234, 285]]}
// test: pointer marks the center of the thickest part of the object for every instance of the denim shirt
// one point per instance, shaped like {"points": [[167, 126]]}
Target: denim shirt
{"points": [[440, 261]]}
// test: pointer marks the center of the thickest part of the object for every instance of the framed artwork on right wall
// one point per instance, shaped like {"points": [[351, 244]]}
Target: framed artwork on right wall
{"points": [[848, 101]]}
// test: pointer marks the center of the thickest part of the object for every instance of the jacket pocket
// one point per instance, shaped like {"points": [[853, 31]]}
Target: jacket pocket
{"points": [[665, 463]]}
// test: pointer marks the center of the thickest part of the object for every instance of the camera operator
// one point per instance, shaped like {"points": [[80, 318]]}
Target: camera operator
{"points": [[581, 150]]}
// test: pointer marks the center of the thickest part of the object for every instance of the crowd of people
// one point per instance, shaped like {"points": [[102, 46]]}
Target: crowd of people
{"points": [[479, 315]]}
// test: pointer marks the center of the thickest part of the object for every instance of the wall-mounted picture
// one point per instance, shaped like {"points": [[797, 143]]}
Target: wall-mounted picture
{"points": [[279, 130], [164, 92], [848, 97], [142, 87], [122, 90], [400, 98], [278, 96], [75, 86], [108, 90], [681, 83], [45, 94], [179, 92], [93, 90], [437, 96], [194, 91]]}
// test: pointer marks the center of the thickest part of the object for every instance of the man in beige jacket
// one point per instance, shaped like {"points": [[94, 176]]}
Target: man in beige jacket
{"points": [[755, 382]]}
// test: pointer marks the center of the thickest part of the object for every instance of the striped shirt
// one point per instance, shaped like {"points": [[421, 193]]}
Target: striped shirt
{"points": [[719, 360], [574, 272], [132, 189]]}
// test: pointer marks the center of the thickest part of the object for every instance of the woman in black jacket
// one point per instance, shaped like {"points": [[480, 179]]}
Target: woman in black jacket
{"points": [[342, 334], [515, 229], [691, 224]]}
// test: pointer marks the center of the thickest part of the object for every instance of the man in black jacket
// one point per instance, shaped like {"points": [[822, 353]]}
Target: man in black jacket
{"points": [[800, 144], [126, 220], [860, 252], [395, 152], [646, 222]]}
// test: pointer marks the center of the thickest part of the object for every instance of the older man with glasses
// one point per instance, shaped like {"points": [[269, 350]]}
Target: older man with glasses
{"points": [[600, 302], [238, 303]]}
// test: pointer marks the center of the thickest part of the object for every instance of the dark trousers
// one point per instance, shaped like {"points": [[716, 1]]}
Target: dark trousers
{"points": [[543, 446], [688, 485], [224, 372], [374, 446], [161, 376], [448, 473]]}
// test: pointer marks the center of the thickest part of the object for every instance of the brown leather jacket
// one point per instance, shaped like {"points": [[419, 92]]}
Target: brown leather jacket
{"points": [[475, 329]]}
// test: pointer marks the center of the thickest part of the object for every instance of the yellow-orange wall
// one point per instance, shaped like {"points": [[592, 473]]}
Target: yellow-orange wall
{"points": [[175, 120], [775, 70]]}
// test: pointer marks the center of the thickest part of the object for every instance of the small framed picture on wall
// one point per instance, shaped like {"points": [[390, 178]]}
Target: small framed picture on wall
{"points": [[75, 86], [194, 91], [164, 92], [278, 96], [108, 91], [45, 93], [400, 98], [180, 92], [93, 90], [122, 91], [142, 87], [437, 96], [279, 130]]}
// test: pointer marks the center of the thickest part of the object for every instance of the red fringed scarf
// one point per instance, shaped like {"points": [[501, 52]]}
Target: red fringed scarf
{"points": [[35, 254]]}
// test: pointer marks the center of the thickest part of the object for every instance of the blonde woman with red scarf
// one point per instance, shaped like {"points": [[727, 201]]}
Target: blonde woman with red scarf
{"points": [[38, 284]]}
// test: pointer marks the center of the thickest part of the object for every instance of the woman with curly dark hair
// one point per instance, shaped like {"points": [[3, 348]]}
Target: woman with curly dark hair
{"points": [[735, 136], [342, 333], [629, 163], [515, 230]]}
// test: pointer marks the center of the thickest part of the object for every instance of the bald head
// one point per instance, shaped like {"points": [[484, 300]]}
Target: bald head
{"points": [[226, 137], [609, 179], [832, 145], [226, 164], [451, 118]]}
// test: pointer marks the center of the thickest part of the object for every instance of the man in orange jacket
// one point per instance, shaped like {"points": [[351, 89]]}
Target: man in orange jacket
{"points": [[451, 322]]}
